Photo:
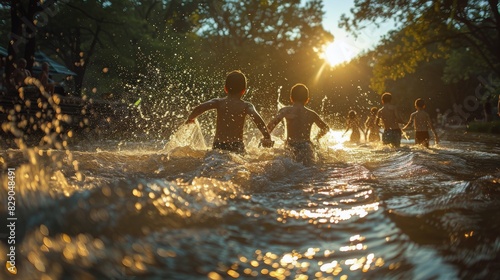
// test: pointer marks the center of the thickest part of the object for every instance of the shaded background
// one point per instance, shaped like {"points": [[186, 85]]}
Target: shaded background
{"points": [[167, 56]]}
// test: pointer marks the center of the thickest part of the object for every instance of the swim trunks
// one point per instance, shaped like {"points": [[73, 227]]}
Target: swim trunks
{"points": [[392, 137], [303, 151], [422, 138], [237, 147]]}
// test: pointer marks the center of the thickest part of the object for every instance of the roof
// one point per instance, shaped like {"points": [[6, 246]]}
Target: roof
{"points": [[55, 68]]}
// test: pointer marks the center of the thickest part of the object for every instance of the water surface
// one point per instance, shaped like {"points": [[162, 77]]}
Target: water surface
{"points": [[177, 210]]}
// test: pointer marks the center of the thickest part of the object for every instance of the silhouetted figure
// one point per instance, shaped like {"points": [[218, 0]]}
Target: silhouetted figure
{"points": [[421, 123], [19, 75], [44, 79], [372, 126], [231, 113], [299, 121], [354, 125], [391, 119]]}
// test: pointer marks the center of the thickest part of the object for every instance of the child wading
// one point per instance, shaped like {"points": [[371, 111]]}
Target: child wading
{"points": [[354, 125], [231, 113], [421, 123], [390, 119], [299, 121], [372, 126]]}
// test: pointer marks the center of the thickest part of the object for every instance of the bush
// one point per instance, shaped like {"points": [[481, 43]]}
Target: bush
{"points": [[486, 127]]}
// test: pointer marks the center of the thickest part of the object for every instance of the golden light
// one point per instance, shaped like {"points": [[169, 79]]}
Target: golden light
{"points": [[338, 52], [335, 139]]}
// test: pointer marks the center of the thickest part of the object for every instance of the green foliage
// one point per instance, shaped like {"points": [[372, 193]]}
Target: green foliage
{"points": [[432, 30], [462, 64], [172, 55], [484, 127], [114, 45], [271, 40]]}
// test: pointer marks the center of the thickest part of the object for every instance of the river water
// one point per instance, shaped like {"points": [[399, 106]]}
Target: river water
{"points": [[178, 210]]}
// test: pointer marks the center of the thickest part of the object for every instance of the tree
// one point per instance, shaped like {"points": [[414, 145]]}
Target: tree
{"points": [[23, 32], [79, 29], [273, 40], [429, 30]]}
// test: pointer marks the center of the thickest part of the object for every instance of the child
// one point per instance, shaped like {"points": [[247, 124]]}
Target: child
{"points": [[231, 113], [299, 121], [421, 122], [390, 119], [20, 74], [45, 79], [353, 123], [372, 126]]}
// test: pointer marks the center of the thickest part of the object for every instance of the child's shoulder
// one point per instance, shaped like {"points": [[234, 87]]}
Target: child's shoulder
{"points": [[215, 100], [242, 104], [310, 110], [286, 108], [421, 112]]}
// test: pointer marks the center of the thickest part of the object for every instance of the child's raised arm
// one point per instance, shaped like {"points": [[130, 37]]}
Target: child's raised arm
{"points": [[200, 109], [323, 127]]}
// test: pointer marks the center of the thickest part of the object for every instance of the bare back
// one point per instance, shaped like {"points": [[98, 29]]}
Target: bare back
{"points": [[231, 113], [299, 121], [390, 117], [421, 120]]}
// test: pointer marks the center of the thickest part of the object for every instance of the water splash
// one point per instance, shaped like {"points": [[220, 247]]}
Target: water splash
{"points": [[187, 135]]}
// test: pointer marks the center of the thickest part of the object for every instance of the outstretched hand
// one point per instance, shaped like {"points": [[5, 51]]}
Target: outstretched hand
{"points": [[405, 135], [266, 143]]}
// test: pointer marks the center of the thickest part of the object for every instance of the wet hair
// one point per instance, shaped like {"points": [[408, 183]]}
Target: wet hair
{"points": [[352, 114], [374, 110], [236, 82], [386, 97], [419, 103], [299, 93]]}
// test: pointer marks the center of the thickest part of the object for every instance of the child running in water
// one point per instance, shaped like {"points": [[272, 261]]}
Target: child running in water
{"points": [[372, 126], [354, 125], [231, 113], [299, 121], [390, 119], [421, 123]]}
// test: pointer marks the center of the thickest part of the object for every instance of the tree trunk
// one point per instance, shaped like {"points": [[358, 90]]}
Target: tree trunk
{"points": [[15, 37], [82, 64], [78, 69], [29, 51]]}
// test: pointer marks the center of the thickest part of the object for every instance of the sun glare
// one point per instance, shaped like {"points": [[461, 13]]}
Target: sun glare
{"points": [[338, 52]]}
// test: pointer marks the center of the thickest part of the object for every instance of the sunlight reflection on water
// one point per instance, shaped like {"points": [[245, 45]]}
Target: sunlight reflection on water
{"points": [[186, 211]]}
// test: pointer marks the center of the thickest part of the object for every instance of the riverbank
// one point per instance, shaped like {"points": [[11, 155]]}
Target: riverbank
{"points": [[465, 134], [486, 127]]}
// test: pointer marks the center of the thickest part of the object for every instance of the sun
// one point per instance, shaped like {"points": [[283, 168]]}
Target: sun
{"points": [[338, 52]]}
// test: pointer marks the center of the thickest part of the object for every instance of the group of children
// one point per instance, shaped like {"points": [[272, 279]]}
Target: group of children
{"points": [[389, 117], [20, 74], [231, 113]]}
